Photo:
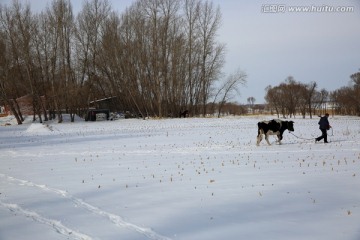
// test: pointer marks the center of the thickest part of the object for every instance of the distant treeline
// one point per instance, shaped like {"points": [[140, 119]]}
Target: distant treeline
{"points": [[291, 97]]}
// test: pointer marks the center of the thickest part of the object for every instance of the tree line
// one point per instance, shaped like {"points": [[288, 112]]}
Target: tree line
{"points": [[347, 99], [292, 97], [158, 57]]}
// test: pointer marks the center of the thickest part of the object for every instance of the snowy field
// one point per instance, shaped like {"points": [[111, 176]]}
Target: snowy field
{"points": [[179, 179]]}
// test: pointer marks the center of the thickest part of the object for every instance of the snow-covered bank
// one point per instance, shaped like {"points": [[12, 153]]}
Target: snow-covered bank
{"points": [[178, 179]]}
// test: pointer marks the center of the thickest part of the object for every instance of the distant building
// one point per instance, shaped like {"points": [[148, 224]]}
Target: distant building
{"points": [[104, 103], [97, 115], [3, 111], [256, 108], [25, 104]]}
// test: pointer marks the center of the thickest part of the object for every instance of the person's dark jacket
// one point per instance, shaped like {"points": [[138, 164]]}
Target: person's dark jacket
{"points": [[324, 123]]}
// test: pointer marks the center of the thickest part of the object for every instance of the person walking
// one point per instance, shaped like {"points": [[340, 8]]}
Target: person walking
{"points": [[324, 125]]}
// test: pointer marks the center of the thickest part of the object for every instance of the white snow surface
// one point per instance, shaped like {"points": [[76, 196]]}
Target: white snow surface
{"points": [[194, 178]]}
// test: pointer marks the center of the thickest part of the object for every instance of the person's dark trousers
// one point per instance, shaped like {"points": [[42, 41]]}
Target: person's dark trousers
{"points": [[323, 136]]}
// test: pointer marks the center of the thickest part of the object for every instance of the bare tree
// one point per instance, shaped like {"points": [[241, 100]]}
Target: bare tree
{"points": [[251, 102], [211, 54], [346, 99], [289, 90], [4, 79], [307, 97], [320, 100], [273, 98], [356, 90], [191, 15], [19, 27], [89, 30], [53, 43], [292, 94], [229, 86], [310, 96], [303, 100]]}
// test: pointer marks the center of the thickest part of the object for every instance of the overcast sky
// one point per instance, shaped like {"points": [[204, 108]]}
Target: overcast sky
{"points": [[269, 42]]}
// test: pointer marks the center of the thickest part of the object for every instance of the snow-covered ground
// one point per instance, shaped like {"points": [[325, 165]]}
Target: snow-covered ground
{"points": [[179, 179]]}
